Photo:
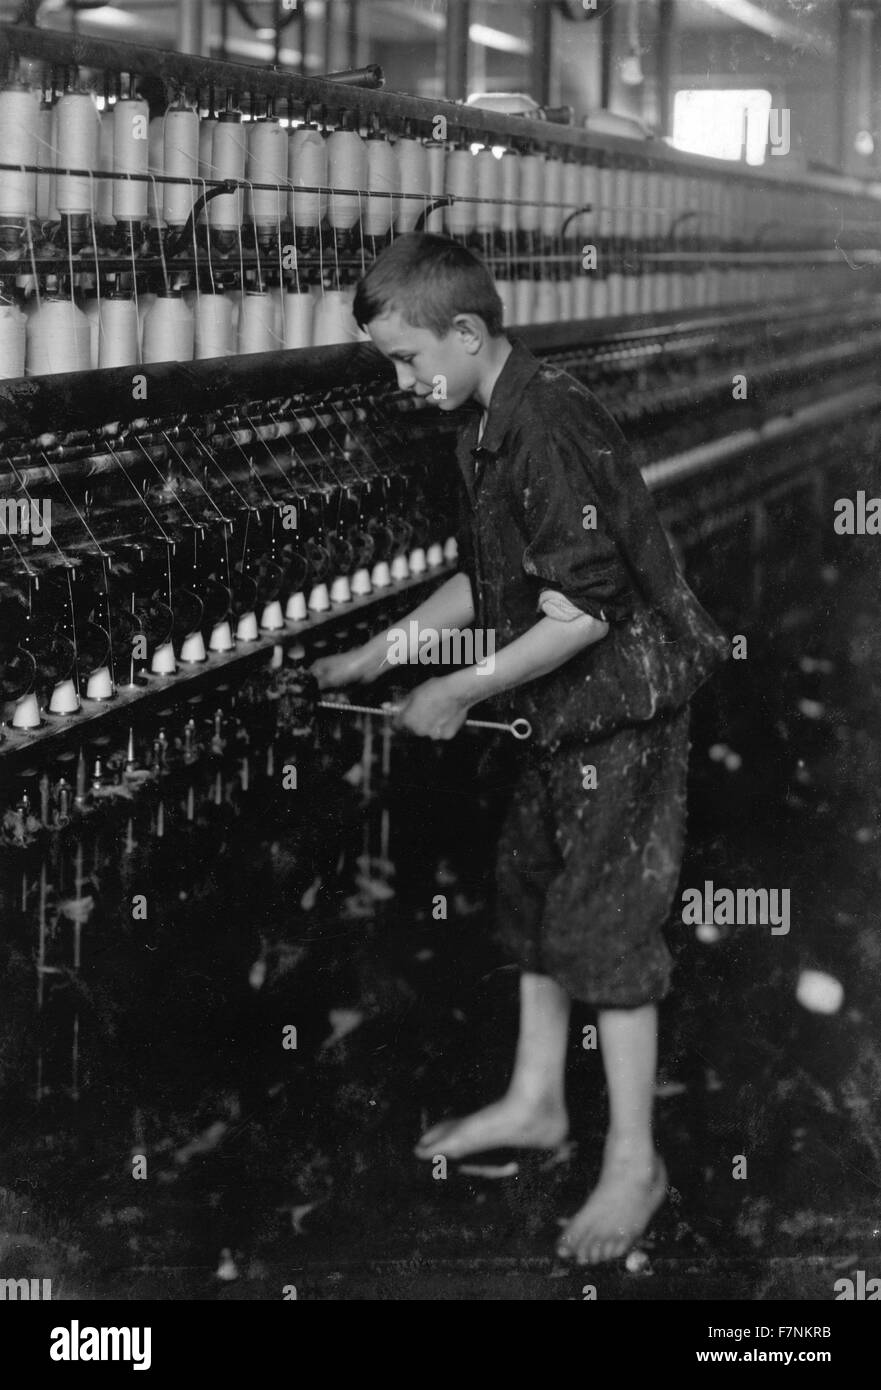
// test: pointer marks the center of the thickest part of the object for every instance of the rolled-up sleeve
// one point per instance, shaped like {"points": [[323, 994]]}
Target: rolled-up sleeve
{"points": [[570, 552]]}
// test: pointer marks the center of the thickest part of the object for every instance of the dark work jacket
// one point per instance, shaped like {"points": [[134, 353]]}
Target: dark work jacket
{"points": [[550, 450]]}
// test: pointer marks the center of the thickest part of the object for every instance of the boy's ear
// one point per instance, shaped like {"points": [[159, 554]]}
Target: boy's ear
{"points": [[471, 330]]}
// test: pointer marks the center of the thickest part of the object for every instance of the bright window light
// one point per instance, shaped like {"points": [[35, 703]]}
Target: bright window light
{"points": [[721, 123]]}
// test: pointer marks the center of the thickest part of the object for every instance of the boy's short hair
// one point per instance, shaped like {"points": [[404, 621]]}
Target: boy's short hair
{"points": [[428, 280]]}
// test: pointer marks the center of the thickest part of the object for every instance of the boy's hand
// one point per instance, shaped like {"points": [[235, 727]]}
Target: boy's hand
{"points": [[432, 710], [346, 668]]}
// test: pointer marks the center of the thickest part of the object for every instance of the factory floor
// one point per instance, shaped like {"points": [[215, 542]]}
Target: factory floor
{"points": [[271, 1169]]}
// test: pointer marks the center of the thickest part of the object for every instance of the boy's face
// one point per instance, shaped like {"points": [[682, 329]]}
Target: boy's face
{"points": [[445, 370]]}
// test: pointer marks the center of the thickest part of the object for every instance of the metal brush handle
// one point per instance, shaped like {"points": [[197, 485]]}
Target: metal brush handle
{"points": [[520, 728]]}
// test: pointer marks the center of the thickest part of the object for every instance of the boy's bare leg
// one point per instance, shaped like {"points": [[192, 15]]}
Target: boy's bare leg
{"points": [[532, 1112], [633, 1178]]}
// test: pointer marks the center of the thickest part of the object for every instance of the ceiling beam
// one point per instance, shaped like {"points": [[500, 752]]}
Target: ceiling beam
{"points": [[756, 17]]}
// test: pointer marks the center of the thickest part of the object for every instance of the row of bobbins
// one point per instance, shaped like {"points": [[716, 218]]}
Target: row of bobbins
{"points": [[497, 189], [274, 619], [50, 331]]}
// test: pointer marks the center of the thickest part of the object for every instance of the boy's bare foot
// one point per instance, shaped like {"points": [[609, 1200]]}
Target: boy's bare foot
{"points": [[629, 1192], [509, 1123]]}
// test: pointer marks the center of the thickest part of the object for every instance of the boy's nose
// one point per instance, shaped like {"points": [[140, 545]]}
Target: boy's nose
{"points": [[406, 378]]}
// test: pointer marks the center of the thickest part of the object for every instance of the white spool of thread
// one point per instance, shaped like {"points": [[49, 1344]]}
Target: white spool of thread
{"points": [[104, 187], [412, 158], [272, 617], [524, 297], [118, 332], [346, 168], [581, 309], [26, 714], [247, 629], [145, 304], [169, 330], [546, 308], [588, 194], [192, 650], [59, 339], [100, 684], [19, 119], [334, 322], [525, 293], [488, 181], [341, 590], [652, 204], [207, 128], [645, 293], [236, 297], [257, 323], [163, 662], [460, 181], [319, 599], [621, 200], [531, 189], [54, 215], [277, 295], [507, 294], [214, 332], [267, 163], [383, 176], [180, 141], [45, 155], [552, 217], [614, 294], [605, 198], [630, 294], [221, 639], [92, 311], [570, 193], [717, 224], [64, 699], [229, 153], [155, 165], [13, 342], [436, 151], [307, 166], [636, 217], [672, 201], [299, 312], [131, 155], [510, 188]]}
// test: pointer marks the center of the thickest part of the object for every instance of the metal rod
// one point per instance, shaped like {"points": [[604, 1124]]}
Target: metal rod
{"points": [[518, 728], [371, 76]]}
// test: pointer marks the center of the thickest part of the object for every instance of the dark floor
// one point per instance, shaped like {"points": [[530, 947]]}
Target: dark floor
{"points": [[270, 1168]]}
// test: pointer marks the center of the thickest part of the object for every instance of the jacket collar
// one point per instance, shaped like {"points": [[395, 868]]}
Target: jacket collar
{"points": [[519, 369]]}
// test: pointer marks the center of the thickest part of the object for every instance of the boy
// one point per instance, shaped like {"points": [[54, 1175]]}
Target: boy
{"points": [[564, 562]]}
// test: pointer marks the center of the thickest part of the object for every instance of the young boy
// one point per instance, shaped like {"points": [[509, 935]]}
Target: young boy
{"points": [[564, 562]]}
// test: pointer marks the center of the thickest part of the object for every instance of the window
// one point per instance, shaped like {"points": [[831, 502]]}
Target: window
{"points": [[723, 124]]}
